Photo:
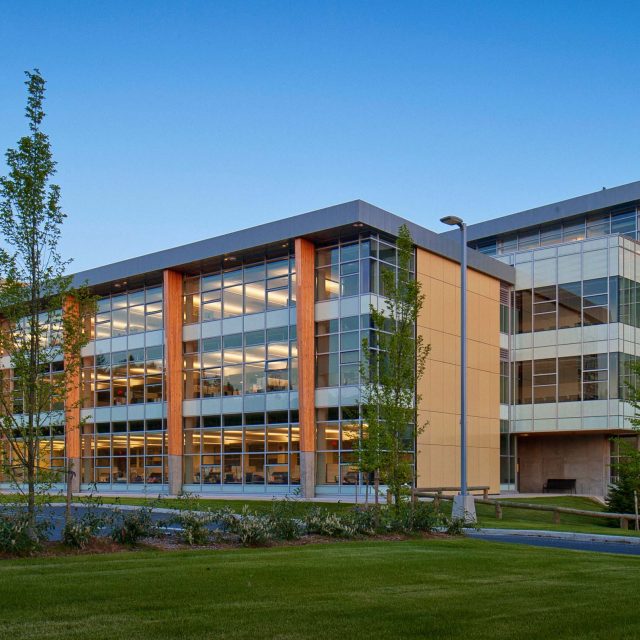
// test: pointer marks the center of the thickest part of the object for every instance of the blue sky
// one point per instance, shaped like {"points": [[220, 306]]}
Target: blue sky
{"points": [[176, 121]]}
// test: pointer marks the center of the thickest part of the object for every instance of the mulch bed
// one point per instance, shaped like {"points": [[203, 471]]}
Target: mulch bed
{"points": [[102, 545]]}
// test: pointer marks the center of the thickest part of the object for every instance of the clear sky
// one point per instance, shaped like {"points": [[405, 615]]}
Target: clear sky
{"points": [[177, 121]]}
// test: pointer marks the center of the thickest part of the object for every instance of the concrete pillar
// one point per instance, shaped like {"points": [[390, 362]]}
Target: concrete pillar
{"points": [[308, 473], [175, 474]]}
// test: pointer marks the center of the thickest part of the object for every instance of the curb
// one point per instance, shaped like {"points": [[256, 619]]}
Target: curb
{"points": [[557, 535]]}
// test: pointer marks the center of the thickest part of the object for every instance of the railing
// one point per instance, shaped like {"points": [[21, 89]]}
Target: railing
{"points": [[430, 491], [623, 518]]}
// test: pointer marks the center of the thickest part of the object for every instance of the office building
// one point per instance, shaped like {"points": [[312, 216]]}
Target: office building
{"points": [[231, 365]]}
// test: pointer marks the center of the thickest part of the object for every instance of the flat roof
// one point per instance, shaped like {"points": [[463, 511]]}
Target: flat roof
{"points": [[599, 200], [315, 225]]}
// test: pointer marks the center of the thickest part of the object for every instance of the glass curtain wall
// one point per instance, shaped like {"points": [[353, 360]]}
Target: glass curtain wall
{"points": [[258, 450], [127, 313], [256, 287], [623, 222], [344, 270], [51, 449], [261, 361], [51, 454], [568, 379], [254, 366], [117, 454], [120, 378], [566, 305]]}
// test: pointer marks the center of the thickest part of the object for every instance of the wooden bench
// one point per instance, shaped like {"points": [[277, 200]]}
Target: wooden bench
{"points": [[563, 485]]}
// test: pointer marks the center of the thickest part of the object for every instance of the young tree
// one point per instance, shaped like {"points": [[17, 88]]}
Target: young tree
{"points": [[40, 343], [391, 369], [621, 493]]}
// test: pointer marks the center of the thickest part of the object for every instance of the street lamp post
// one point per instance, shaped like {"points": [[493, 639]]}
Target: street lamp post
{"points": [[464, 506]]}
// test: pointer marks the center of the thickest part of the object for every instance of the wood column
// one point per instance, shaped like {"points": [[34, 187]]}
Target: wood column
{"points": [[72, 403], [305, 305], [172, 296]]}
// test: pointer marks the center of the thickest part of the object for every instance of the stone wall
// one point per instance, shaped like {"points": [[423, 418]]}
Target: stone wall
{"points": [[584, 457]]}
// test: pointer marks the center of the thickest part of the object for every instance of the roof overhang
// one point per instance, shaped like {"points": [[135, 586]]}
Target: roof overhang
{"points": [[323, 224], [592, 202]]}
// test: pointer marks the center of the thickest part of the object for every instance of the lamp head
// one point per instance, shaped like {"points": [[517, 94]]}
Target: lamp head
{"points": [[452, 221]]}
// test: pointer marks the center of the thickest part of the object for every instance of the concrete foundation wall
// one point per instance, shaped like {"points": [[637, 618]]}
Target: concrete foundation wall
{"points": [[584, 457]]}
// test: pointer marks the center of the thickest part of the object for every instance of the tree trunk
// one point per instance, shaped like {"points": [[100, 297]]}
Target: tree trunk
{"points": [[70, 475], [376, 485], [31, 499]]}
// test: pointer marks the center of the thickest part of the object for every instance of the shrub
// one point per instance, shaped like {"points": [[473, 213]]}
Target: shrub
{"points": [[79, 532], [129, 527], [456, 526], [283, 521], [251, 528], [364, 520], [192, 521], [16, 537], [195, 527], [409, 517], [325, 523]]}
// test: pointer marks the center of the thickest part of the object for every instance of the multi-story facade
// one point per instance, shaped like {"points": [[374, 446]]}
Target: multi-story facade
{"points": [[231, 365], [575, 330]]}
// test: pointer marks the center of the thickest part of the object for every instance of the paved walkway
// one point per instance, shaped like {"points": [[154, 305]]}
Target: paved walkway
{"points": [[561, 540]]}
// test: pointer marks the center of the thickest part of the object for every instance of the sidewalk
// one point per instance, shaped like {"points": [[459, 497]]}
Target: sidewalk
{"points": [[556, 535]]}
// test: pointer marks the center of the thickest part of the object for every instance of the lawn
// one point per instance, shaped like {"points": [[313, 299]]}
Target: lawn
{"points": [[514, 518], [440, 588]]}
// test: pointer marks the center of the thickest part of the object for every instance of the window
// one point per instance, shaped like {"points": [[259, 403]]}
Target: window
{"points": [[241, 364], [127, 313], [544, 308], [353, 268], [338, 351], [504, 382], [595, 302], [595, 372], [121, 453], [544, 380], [255, 287], [624, 223], [569, 305], [249, 449], [551, 234], [598, 226], [524, 310], [123, 377], [569, 379]]}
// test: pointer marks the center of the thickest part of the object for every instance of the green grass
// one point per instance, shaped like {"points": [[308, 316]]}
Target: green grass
{"points": [[442, 588], [514, 518]]}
